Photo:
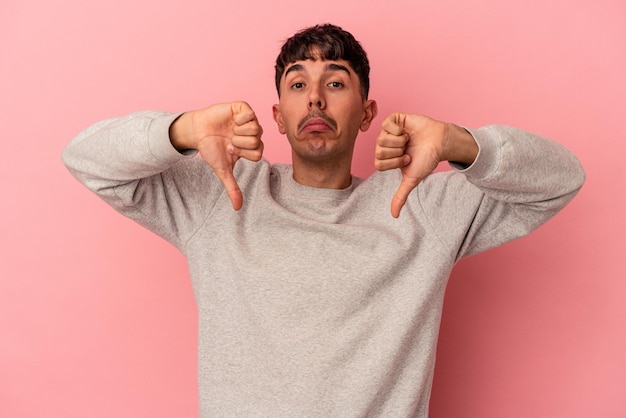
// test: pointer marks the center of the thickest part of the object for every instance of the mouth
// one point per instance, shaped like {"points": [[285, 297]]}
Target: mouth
{"points": [[317, 123]]}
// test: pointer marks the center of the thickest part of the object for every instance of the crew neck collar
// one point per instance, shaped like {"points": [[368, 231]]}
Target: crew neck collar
{"points": [[309, 192]]}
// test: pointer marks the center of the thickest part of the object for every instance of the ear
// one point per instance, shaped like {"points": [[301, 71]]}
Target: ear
{"points": [[278, 117], [370, 108]]}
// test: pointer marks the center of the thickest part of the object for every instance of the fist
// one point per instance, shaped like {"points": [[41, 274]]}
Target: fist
{"points": [[221, 133], [412, 143]]}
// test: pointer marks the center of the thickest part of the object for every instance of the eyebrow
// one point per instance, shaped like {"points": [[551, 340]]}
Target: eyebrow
{"points": [[329, 67], [336, 67]]}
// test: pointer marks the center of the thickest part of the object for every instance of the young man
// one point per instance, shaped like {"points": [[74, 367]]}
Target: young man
{"points": [[313, 299]]}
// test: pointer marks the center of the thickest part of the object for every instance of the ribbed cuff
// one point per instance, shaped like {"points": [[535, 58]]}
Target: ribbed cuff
{"points": [[159, 140], [488, 159]]}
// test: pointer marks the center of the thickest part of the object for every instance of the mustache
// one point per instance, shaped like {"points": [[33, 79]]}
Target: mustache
{"points": [[317, 114]]}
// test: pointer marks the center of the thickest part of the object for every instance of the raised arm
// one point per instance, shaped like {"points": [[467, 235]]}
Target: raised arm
{"points": [[142, 164], [507, 182]]}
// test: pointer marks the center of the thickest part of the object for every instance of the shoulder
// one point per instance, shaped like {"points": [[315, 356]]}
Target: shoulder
{"points": [[439, 188]]}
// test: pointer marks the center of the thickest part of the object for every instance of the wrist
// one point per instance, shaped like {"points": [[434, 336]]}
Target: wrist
{"points": [[459, 145], [181, 133]]}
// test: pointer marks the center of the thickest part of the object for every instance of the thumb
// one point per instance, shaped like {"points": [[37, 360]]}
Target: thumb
{"points": [[231, 186], [402, 194]]}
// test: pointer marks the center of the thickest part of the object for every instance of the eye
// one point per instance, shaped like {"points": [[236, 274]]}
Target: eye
{"points": [[335, 84], [297, 86]]}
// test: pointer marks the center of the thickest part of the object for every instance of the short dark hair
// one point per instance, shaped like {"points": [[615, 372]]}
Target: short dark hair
{"points": [[325, 42]]}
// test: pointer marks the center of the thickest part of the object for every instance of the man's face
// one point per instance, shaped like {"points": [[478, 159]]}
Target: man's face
{"points": [[321, 110]]}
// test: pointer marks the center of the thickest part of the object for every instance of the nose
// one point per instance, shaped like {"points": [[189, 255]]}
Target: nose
{"points": [[316, 99]]}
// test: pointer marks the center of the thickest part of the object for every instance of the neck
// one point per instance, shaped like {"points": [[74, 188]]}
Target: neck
{"points": [[326, 176]]}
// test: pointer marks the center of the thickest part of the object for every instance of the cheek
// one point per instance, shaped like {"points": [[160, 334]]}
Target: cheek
{"points": [[289, 119], [287, 124], [355, 119]]}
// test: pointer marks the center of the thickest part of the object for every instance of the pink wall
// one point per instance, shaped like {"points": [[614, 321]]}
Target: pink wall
{"points": [[97, 316]]}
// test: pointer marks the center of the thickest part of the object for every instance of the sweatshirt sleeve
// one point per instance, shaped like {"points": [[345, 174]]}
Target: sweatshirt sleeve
{"points": [[130, 163], [517, 183]]}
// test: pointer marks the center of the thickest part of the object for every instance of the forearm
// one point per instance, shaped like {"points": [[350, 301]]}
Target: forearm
{"points": [[517, 166], [122, 149]]}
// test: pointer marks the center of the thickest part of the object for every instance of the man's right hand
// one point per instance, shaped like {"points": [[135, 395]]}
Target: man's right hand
{"points": [[222, 134]]}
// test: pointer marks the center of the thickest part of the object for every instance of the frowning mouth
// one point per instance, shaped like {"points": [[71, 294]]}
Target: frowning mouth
{"points": [[317, 122]]}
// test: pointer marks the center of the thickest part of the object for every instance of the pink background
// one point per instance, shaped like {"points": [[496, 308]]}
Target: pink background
{"points": [[97, 315]]}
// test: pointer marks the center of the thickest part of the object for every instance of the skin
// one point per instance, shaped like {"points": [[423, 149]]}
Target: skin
{"points": [[321, 111]]}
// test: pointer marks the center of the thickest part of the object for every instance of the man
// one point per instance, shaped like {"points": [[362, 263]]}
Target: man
{"points": [[313, 299]]}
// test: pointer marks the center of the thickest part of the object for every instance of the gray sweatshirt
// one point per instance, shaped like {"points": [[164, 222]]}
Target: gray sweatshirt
{"points": [[317, 302]]}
